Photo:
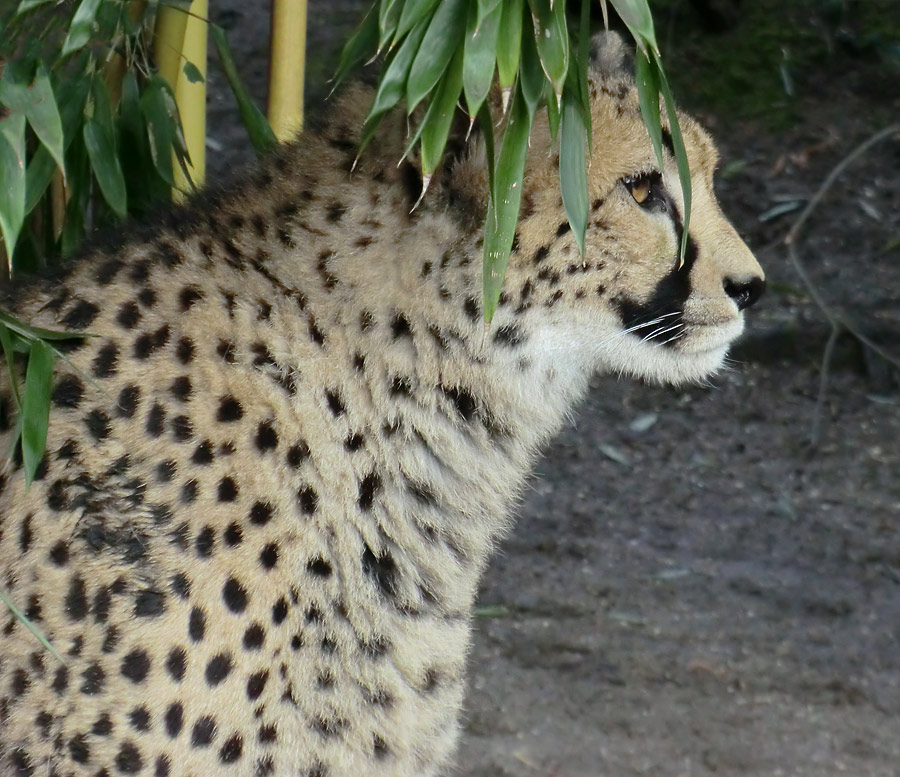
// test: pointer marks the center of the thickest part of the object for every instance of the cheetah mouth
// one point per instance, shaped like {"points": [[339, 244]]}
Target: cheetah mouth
{"points": [[706, 337]]}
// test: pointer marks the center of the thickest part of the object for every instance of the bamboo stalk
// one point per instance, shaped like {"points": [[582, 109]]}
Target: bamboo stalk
{"points": [[181, 38], [59, 197], [286, 67]]}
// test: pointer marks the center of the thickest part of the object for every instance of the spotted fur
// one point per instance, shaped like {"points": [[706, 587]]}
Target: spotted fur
{"points": [[274, 476]]}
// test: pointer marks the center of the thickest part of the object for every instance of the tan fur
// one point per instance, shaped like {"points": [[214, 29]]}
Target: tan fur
{"points": [[262, 559]]}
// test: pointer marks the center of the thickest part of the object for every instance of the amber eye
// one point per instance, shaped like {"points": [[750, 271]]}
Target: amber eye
{"points": [[640, 187]]}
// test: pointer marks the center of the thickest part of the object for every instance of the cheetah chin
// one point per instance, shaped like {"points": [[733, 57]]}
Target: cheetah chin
{"points": [[275, 474]]}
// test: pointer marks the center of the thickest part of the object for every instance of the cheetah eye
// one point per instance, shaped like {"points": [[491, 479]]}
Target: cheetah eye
{"points": [[642, 187]]}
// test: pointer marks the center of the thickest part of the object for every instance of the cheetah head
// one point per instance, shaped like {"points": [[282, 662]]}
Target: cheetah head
{"points": [[630, 305]]}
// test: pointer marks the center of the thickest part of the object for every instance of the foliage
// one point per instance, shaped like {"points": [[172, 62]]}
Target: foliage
{"points": [[442, 52]]}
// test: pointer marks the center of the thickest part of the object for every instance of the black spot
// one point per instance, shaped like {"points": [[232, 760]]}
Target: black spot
{"points": [[401, 386], [139, 718], [297, 454], [235, 595], [76, 604], [309, 499], [279, 611], [319, 567], [81, 315], [366, 321], [368, 488], [147, 297], [264, 312], [359, 362], [426, 269], [129, 315], [205, 542], [400, 327], [128, 759], [176, 663], [266, 437], [380, 747], [227, 490], [61, 680], [231, 750], [97, 423], [230, 410], [106, 361], [155, 420], [335, 211], [102, 726], [196, 624], [107, 271], [150, 342], [382, 570], [260, 513], [255, 684], [218, 668], [181, 388], [182, 428], [268, 556], [204, 731], [254, 637], [187, 297], [174, 719], [462, 400], [68, 391], [180, 585], [470, 308], [315, 333], [149, 603], [188, 493], [79, 750], [335, 404], [353, 443], [233, 535], [136, 665], [509, 335], [563, 228], [203, 453], [184, 350]]}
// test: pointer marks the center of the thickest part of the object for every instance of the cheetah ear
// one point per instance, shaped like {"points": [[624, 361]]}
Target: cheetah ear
{"points": [[611, 59]]}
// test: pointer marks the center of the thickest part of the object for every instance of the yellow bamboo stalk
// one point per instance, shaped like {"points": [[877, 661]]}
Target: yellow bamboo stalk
{"points": [[286, 62], [180, 38]]}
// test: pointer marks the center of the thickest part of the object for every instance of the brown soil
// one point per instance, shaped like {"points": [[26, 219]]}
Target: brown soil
{"points": [[691, 589]]}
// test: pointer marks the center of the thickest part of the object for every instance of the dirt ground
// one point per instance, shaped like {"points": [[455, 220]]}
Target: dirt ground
{"points": [[691, 588]]}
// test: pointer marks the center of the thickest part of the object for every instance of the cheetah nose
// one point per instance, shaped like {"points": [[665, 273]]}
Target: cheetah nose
{"points": [[744, 293]]}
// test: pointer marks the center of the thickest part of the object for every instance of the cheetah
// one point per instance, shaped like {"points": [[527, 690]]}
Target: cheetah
{"points": [[276, 471]]}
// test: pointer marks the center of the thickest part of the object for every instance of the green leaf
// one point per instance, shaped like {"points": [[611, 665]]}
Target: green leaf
{"points": [[36, 406], [486, 124], [647, 81], [531, 75], [30, 626], [480, 56], [444, 35], [503, 210], [12, 173], [357, 48], [684, 170], [160, 127], [485, 9], [37, 102], [582, 62], [100, 145], [192, 73], [440, 115], [9, 352], [572, 165], [29, 332], [509, 44], [388, 17], [414, 11], [258, 128], [393, 81], [552, 38], [637, 17], [82, 26], [27, 5]]}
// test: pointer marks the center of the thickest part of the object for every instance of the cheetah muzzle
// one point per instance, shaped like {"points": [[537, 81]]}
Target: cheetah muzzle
{"points": [[275, 475]]}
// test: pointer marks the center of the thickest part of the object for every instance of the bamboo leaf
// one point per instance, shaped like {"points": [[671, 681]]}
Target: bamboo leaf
{"points": [[443, 37], [684, 170], [260, 132], [503, 210], [36, 406], [440, 115], [12, 173], [388, 18], [509, 44], [531, 75], [100, 145], [552, 38], [572, 165], [357, 48], [480, 55], [30, 626], [27, 5], [486, 124], [485, 9], [30, 332], [82, 26], [647, 81], [36, 101], [414, 11], [160, 129], [637, 17], [9, 352], [582, 60], [393, 82], [192, 73]]}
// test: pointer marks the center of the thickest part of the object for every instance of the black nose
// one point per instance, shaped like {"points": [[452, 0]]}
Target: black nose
{"points": [[744, 293]]}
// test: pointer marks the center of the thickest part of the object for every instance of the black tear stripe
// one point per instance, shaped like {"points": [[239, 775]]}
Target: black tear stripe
{"points": [[670, 295]]}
